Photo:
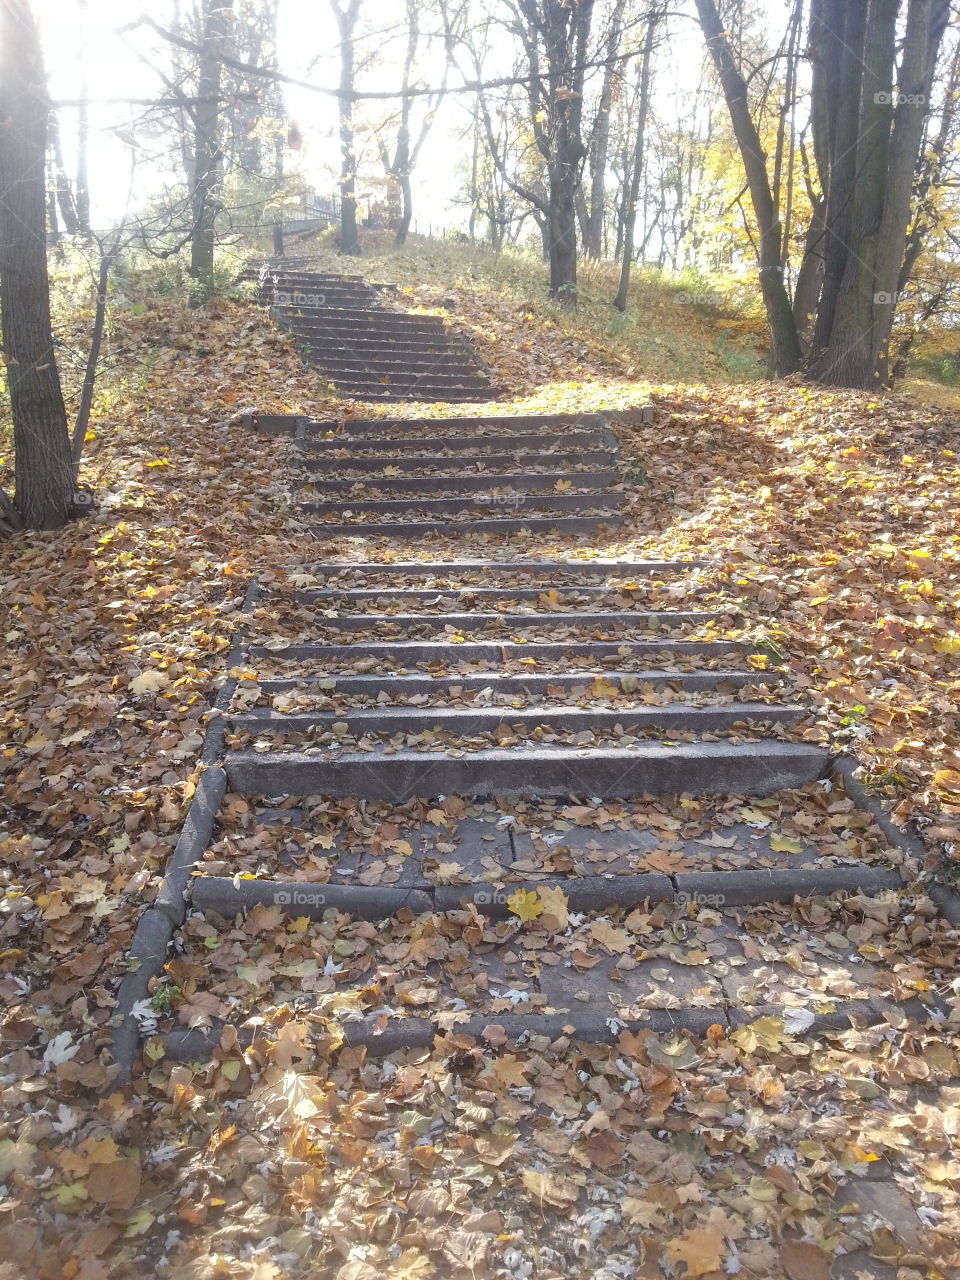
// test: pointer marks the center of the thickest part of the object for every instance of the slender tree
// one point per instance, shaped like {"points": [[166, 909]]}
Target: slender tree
{"points": [[207, 148], [346, 13], [643, 98], [42, 461], [592, 210], [784, 341]]}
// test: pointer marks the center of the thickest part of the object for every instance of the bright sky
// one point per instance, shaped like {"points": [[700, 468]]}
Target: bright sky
{"points": [[125, 63]]}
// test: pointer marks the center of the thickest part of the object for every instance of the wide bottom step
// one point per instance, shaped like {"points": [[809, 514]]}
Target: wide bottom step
{"points": [[643, 769]]}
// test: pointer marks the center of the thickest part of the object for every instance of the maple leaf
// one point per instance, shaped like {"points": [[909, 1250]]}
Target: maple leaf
{"points": [[700, 1250], [616, 941], [785, 844], [554, 905], [149, 682], [510, 1071], [525, 905]]}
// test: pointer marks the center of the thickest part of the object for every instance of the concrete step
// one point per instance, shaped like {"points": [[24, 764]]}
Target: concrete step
{"points": [[344, 358], [504, 424], [663, 992], [392, 345], [489, 426], [364, 320], [509, 461], [548, 571], [466, 720], [408, 686], [394, 446], [634, 619], [388, 335], [576, 525], [351, 364], [497, 652], [341, 490], [428, 597], [489, 504], [431, 379], [645, 768]]}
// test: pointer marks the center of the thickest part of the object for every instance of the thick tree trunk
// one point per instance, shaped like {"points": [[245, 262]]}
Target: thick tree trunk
{"points": [[42, 464], [563, 241], [208, 154], [889, 132], [785, 349], [346, 15]]}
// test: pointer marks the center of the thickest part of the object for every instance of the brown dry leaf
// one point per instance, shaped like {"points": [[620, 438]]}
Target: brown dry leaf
{"points": [[115, 1184], [804, 1261], [605, 1149], [700, 1250], [560, 1192]]}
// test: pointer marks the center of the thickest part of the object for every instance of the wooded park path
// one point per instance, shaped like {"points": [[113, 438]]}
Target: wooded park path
{"points": [[572, 798]]}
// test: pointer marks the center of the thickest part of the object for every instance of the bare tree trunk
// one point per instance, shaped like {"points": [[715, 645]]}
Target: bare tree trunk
{"points": [[346, 13], [784, 343], [53, 223], [42, 463], [592, 224], [208, 154], [93, 357], [68, 210], [83, 130], [630, 218]]}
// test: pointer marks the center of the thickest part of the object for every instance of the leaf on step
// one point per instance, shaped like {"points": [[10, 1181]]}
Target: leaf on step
{"points": [[525, 905]]}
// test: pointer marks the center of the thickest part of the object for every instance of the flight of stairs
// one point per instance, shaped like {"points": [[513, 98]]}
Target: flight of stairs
{"points": [[543, 474], [457, 709], [369, 350]]}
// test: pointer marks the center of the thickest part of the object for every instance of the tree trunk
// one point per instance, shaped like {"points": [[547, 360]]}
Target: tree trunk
{"points": [[53, 222], [633, 198], [406, 210], [83, 130], [208, 154], [785, 350], [68, 210], [42, 464], [592, 223], [346, 15], [888, 142]]}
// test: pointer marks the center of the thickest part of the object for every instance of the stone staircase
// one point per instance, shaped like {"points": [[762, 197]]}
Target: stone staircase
{"points": [[369, 349], [547, 473], [434, 742]]}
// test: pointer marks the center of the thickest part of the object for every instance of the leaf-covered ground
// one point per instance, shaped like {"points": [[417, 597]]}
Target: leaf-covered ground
{"points": [[833, 518]]}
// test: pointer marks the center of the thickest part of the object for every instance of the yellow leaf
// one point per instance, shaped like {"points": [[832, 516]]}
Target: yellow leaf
{"points": [[947, 779], [950, 645], [525, 905], [555, 904], [700, 1250], [764, 1033], [784, 844], [149, 682]]}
